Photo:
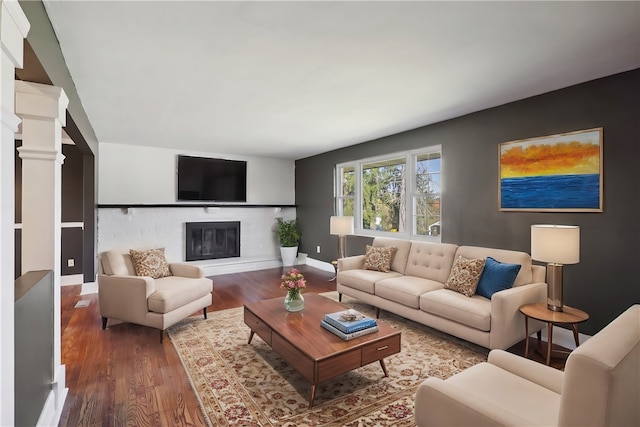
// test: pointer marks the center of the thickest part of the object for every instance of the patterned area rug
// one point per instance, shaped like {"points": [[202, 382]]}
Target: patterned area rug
{"points": [[240, 384]]}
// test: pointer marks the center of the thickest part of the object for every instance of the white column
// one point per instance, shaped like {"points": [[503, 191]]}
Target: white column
{"points": [[43, 112], [14, 27]]}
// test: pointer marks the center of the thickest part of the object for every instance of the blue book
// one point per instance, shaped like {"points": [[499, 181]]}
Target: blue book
{"points": [[350, 336], [359, 322]]}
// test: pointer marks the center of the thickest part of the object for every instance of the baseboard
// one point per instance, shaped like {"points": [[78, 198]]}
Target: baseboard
{"points": [[71, 279], [89, 288], [320, 265], [52, 410]]}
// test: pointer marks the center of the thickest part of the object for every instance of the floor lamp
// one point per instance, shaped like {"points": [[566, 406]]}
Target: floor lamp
{"points": [[556, 245], [341, 226]]}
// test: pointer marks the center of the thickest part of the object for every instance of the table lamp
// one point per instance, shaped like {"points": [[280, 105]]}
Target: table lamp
{"points": [[556, 245], [341, 226]]}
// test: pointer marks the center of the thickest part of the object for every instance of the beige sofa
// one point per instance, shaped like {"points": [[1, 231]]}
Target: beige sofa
{"points": [[414, 289], [600, 386], [157, 303]]}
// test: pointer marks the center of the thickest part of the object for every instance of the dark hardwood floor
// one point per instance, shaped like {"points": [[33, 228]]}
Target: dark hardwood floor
{"points": [[124, 376]]}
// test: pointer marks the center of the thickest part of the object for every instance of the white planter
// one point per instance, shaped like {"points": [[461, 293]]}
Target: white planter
{"points": [[288, 255]]}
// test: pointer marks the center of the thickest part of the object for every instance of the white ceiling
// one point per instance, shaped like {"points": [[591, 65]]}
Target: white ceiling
{"points": [[294, 79]]}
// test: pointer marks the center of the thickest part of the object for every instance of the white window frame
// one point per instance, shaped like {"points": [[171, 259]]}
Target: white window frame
{"points": [[410, 174]]}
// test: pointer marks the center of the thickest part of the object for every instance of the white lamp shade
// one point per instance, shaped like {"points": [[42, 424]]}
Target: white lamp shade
{"points": [[559, 244], [341, 225]]}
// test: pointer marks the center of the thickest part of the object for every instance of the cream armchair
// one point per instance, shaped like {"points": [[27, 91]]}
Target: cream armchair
{"points": [[158, 303], [600, 386]]}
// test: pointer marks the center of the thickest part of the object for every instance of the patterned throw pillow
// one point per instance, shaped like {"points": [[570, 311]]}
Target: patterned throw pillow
{"points": [[379, 258], [465, 275], [150, 263]]}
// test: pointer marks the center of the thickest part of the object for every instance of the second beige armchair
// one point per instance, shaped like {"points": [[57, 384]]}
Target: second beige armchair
{"points": [[158, 303], [600, 386]]}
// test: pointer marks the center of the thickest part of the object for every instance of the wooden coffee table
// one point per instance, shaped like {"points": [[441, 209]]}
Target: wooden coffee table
{"points": [[317, 354]]}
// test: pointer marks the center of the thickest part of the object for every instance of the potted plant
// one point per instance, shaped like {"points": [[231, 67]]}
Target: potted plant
{"points": [[288, 238]]}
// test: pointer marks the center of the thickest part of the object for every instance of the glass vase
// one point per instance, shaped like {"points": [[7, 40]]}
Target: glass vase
{"points": [[294, 301]]}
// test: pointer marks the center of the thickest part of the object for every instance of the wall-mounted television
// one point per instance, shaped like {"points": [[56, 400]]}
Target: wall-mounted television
{"points": [[212, 180]]}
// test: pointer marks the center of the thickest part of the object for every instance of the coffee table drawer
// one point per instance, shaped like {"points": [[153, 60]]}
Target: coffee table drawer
{"points": [[258, 326], [380, 349], [339, 364]]}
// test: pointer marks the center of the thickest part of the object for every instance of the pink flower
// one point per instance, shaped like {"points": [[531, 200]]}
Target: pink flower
{"points": [[293, 280]]}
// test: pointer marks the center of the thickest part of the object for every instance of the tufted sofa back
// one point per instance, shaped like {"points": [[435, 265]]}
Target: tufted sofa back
{"points": [[430, 260], [399, 261], [525, 275]]}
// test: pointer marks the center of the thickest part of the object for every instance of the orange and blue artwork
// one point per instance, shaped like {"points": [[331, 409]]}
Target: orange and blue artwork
{"points": [[552, 173]]}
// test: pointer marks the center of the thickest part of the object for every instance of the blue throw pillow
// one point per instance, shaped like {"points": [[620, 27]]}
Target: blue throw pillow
{"points": [[496, 276]]}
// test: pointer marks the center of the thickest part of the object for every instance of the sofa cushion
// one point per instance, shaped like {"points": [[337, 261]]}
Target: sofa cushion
{"points": [[150, 262], [465, 275], [379, 259], [513, 257], [173, 292], [115, 262], [494, 388], [496, 276], [399, 261], [363, 280], [474, 312], [405, 290], [430, 260]]}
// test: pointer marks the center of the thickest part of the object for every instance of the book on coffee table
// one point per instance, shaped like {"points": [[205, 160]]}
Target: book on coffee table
{"points": [[350, 336], [349, 321]]}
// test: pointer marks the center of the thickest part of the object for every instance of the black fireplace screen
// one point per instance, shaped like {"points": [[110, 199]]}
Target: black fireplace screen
{"points": [[212, 240]]}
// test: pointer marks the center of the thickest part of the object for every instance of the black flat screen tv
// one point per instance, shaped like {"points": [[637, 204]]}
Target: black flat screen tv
{"points": [[211, 180]]}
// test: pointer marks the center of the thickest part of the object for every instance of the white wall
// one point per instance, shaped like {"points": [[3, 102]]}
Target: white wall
{"points": [[147, 175]]}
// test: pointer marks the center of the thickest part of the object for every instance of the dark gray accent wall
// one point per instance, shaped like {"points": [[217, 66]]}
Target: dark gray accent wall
{"points": [[73, 244], [604, 283]]}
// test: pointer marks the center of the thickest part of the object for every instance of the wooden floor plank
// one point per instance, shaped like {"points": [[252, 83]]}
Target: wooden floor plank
{"points": [[123, 375]]}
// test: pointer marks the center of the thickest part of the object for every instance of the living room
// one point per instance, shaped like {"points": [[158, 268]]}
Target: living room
{"points": [[602, 283]]}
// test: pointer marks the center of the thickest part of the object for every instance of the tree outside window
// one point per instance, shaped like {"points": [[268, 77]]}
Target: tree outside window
{"points": [[427, 194], [383, 195], [399, 194]]}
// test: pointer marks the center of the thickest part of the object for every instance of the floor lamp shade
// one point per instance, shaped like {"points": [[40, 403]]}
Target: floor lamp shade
{"points": [[341, 226], [556, 245]]}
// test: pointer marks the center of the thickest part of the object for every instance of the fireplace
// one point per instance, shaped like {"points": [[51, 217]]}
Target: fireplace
{"points": [[212, 240]]}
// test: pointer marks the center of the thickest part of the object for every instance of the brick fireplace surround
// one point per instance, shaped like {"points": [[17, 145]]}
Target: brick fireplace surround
{"points": [[152, 227]]}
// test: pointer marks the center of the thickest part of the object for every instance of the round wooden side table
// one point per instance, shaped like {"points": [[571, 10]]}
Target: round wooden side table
{"points": [[568, 316]]}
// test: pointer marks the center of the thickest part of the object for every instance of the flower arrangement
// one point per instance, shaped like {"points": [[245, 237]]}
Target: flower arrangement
{"points": [[293, 281]]}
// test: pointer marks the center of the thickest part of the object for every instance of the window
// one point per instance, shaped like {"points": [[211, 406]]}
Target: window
{"points": [[396, 194], [426, 197]]}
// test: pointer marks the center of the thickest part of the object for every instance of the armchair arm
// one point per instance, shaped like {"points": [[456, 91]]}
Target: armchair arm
{"points": [[351, 263], [125, 297], [439, 403], [507, 323], [543, 375], [182, 269]]}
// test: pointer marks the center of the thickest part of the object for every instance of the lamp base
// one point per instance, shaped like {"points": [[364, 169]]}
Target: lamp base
{"points": [[341, 246], [554, 287]]}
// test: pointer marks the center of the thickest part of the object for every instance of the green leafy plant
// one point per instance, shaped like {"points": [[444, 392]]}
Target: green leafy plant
{"points": [[287, 232]]}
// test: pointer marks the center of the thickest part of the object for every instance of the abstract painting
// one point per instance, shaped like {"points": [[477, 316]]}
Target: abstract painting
{"points": [[557, 173]]}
